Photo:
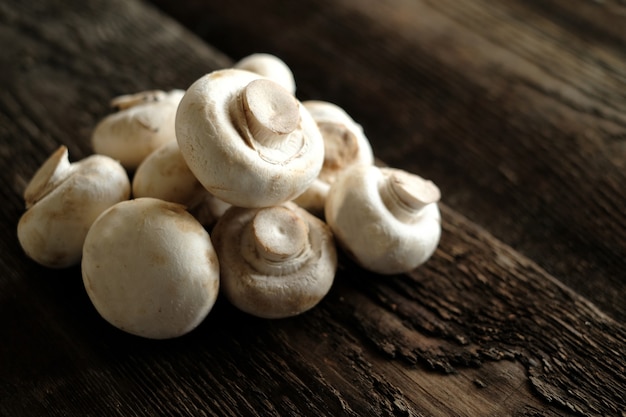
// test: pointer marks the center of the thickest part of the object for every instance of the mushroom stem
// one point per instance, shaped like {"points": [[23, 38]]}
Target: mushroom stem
{"points": [[278, 239], [56, 169], [270, 111], [405, 194]]}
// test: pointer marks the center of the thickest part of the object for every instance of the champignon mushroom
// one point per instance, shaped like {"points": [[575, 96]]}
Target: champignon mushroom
{"points": [[150, 269], [164, 174], [386, 219], [144, 122], [345, 145], [275, 262], [248, 140], [269, 66], [62, 200]]}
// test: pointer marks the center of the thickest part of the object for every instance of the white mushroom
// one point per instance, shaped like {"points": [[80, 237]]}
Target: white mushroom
{"points": [[164, 174], [386, 219], [269, 66], [150, 269], [144, 122], [62, 200], [345, 145], [275, 262], [248, 140]]}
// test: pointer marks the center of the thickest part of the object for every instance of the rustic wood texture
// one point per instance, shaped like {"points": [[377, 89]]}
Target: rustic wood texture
{"points": [[516, 110]]}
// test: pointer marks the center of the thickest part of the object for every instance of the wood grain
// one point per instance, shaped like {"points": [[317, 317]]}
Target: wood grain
{"points": [[480, 330]]}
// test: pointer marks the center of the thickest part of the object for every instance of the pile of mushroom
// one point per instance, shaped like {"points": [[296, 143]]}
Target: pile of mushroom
{"points": [[238, 188]]}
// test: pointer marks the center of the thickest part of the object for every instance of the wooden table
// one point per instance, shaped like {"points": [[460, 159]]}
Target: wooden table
{"points": [[516, 109]]}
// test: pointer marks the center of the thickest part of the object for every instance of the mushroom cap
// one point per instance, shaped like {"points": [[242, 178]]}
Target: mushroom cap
{"points": [[275, 262], [144, 123], [243, 163], [164, 174], [345, 145], [150, 268], [367, 227], [64, 200], [269, 66]]}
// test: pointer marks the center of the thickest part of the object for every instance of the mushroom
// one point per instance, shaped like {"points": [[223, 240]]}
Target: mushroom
{"points": [[248, 140], [276, 261], [62, 200], [150, 269], [164, 174], [144, 122], [345, 145], [269, 66], [386, 219]]}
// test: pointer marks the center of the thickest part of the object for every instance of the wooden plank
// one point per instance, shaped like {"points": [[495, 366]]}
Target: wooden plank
{"points": [[517, 109], [479, 330]]}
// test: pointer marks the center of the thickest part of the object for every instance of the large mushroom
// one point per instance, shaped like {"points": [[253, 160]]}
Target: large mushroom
{"points": [[150, 269], [249, 141]]}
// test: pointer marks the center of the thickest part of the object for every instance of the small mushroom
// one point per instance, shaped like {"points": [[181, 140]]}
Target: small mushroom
{"points": [[164, 174], [248, 140], [62, 200], [150, 269], [345, 145], [269, 66], [275, 262], [144, 122], [386, 219]]}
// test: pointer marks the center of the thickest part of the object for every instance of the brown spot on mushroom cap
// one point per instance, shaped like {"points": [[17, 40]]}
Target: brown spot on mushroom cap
{"points": [[211, 257], [156, 258], [185, 222]]}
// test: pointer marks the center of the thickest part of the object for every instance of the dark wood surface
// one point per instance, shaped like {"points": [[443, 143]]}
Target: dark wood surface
{"points": [[516, 109]]}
